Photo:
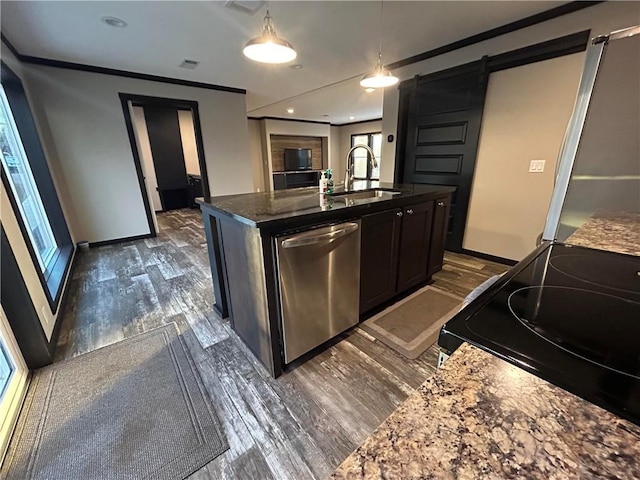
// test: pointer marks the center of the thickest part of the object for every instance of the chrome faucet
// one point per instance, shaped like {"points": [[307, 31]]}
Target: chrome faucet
{"points": [[349, 173]]}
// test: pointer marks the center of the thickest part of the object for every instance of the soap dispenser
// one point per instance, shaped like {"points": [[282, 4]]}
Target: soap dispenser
{"points": [[329, 174], [322, 185]]}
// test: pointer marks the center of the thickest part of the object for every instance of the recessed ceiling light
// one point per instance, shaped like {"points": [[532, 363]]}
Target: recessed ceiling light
{"points": [[189, 64], [245, 6], [114, 22], [352, 118], [297, 66], [369, 90], [290, 110]]}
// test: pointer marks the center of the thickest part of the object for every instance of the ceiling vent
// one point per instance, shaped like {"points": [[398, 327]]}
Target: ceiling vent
{"points": [[189, 64], [245, 6]]}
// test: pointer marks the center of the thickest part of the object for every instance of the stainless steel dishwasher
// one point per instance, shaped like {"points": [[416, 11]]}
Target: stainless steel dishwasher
{"points": [[319, 275]]}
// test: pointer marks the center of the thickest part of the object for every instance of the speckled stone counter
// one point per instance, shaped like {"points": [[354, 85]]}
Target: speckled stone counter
{"points": [[482, 418], [283, 208], [615, 232]]}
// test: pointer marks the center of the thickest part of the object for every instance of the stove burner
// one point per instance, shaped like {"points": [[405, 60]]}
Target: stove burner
{"points": [[599, 328], [602, 271]]}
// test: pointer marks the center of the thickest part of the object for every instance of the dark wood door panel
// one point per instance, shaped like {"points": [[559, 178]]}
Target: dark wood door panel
{"points": [[447, 133], [379, 257], [168, 157], [439, 122], [415, 238]]}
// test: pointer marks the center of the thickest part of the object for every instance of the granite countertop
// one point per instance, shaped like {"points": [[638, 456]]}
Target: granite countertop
{"points": [[613, 231], [268, 209], [481, 417]]}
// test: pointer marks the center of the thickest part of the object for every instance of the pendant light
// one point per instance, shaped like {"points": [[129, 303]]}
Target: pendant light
{"points": [[269, 48], [379, 77]]}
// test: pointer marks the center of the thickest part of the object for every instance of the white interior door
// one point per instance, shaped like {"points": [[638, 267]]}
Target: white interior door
{"points": [[13, 382]]}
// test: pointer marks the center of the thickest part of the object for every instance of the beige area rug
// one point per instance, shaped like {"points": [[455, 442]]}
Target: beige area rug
{"points": [[411, 325]]}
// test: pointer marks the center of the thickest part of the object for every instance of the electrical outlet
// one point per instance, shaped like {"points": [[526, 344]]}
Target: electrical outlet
{"points": [[536, 166]]}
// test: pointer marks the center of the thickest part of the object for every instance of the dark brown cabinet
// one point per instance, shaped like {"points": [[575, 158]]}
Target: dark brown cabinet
{"points": [[415, 238], [400, 249], [380, 242], [441, 212], [303, 178]]}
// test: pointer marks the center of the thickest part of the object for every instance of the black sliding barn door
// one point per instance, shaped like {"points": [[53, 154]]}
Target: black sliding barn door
{"points": [[163, 128], [438, 132]]}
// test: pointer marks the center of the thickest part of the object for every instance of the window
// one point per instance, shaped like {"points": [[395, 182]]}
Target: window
{"points": [[362, 166], [34, 200], [16, 166]]}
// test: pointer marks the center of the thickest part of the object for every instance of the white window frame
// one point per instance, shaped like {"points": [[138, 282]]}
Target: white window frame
{"points": [[44, 258], [16, 387]]}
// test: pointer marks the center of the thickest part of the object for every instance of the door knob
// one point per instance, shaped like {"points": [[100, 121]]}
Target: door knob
{"points": [[399, 214], [441, 204], [409, 211]]}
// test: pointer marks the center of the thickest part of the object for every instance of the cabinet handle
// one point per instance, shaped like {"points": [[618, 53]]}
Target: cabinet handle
{"points": [[441, 204], [409, 211], [399, 214]]}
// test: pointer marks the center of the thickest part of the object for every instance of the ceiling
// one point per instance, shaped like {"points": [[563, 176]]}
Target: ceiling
{"points": [[337, 41]]}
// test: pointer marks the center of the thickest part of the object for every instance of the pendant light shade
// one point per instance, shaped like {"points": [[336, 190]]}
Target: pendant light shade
{"points": [[379, 77], [269, 48]]}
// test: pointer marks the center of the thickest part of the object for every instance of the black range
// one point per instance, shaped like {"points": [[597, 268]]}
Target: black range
{"points": [[570, 315]]}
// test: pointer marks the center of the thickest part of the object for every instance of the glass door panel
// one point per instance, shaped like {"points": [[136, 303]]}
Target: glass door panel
{"points": [[362, 167], [16, 165]]}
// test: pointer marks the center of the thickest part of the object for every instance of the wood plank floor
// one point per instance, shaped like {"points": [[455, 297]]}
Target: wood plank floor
{"points": [[301, 425]]}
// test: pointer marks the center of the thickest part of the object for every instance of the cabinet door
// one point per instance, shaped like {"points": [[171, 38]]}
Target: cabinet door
{"points": [[439, 235], [415, 238], [279, 181], [379, 257]]}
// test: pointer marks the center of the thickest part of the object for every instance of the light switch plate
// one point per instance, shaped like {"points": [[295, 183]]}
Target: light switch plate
{"points": [[536, 166]]}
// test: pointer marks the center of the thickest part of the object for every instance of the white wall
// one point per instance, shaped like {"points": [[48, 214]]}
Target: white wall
{"points": [[284, 127], [87, 124], [188, 137], [526, 112], [601, 19], [336, 163], [146, 157], [255, 151], [9, 220], [345, 140]]}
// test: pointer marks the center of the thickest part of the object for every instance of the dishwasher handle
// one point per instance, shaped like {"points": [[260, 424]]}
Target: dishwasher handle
{"points": [[302, 240]]}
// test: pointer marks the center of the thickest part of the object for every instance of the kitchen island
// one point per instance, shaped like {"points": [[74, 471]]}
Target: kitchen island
{"points": [[402, 231]]}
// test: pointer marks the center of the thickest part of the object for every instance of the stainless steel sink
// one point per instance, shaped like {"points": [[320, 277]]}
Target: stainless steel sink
{"points": [[364, 196]]}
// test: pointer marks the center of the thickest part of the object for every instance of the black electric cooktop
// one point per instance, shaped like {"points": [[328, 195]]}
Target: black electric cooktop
{"points": [[571, 316]]}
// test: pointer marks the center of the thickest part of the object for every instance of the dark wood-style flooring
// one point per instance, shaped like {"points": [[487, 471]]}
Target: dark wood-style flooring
{"points": [[299, 426]]}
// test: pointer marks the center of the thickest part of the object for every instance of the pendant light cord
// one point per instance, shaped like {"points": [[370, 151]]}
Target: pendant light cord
{"points": [[380, 47]]}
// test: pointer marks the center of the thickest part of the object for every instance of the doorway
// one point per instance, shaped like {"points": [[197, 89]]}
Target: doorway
{"points": [[166, 141], [362, 168], [438, 135], [13, 383]]}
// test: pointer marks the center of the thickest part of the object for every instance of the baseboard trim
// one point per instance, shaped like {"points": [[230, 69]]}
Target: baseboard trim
{"points": [[491, 258], [121, 240]]}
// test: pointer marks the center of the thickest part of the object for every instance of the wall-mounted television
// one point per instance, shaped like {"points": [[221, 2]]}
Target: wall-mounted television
{"points": [[297, 159]]}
